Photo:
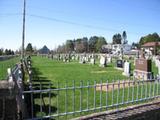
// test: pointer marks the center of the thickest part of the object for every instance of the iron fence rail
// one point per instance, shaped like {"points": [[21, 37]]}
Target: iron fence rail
{"points": [[72, 100]]}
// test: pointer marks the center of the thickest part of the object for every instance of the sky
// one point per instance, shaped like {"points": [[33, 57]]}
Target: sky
{"points": [[52, 22]]}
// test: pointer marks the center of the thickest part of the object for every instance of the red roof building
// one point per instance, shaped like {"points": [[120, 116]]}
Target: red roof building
{"points": [[152, 46]]}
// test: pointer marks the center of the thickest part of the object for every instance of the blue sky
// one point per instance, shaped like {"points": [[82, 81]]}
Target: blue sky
{"points": [[52, 22]]}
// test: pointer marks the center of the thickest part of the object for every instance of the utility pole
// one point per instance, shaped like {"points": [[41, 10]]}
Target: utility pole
{"points": [[23, 31]]}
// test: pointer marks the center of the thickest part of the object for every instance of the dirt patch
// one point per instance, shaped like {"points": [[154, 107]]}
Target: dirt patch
{"points": [[103, 71], [98, 71], [115, 85]]}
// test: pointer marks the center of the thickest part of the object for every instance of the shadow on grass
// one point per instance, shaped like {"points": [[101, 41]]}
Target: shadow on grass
{"points": [[39, 101]]}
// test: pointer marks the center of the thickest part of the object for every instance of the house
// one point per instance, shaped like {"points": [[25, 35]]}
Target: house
{"points": [[116, 48], [44, 50], [151, 47]]}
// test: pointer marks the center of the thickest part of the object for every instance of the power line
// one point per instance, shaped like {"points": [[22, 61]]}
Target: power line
{"points": [[92, 18], [80, 24], [73, 23]]}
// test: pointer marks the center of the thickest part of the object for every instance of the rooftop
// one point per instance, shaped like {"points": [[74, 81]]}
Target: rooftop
{"points": [[151, 44]]}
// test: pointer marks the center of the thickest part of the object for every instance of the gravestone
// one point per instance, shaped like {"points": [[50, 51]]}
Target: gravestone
{"points": [[77, 57], [137, 54], [109, 59], [103, 61], [143, 68], [92, 61], [127, 69], [119, 64], [73, 57], [64, 58], [82, 60], [157, 63]]}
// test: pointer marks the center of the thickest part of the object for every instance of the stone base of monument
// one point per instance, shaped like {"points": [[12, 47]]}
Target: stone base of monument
{"points": [[102, 65], [82, 62], [126, 74], [119, 68], [142, 75]]}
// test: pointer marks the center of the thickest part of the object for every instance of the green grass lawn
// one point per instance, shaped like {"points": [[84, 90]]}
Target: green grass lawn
{"points": [[62, 75], [60, 71], [4, 65]]}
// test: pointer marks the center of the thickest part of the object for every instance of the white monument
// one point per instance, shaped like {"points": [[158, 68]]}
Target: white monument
{"points": [[103, 61], [127, 69], [92, 61]]}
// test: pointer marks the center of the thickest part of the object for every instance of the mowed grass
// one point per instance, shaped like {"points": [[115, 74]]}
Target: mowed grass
{"points": [[59, 71], [4, 65], [74, 74], [63, 75]]}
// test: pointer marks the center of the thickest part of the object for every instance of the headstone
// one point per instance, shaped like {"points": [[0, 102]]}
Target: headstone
{"points": [[109, 59], [59, 57], [143, 68], [137, 54], [103, 61], [92, 61], [127, 69], [65, 59], [87, 58], [52, 56], [82, 60], [73, 57], [157, 63], [119, 64], [77, 57]]}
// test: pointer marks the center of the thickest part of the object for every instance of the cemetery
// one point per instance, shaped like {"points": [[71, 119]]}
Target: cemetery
{"points": [[87, 68], [74, 74], [84, 77]]}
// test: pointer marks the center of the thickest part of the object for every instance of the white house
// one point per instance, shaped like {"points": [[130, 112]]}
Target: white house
{"points": [[116, 48]]}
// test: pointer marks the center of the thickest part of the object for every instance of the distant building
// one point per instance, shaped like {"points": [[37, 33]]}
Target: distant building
{"points": [[116, 48], [44, 50], [151, 47]]}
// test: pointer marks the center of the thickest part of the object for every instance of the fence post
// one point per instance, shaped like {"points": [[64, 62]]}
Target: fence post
{"points": [[94, 95], [100, 95], [41, 99], [74, 97], [66, 103], [137, 90], [128, 94], [58, 94], [22, 69], [133, 91], [50, 99], [88, 85], [123, 92], [118, 93], [106, 94], [112, 92], [81, 84]]}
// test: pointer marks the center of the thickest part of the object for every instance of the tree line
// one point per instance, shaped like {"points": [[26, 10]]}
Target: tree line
{"points": [[6, 52], [95, 43], [154, 37], [80, 45]]}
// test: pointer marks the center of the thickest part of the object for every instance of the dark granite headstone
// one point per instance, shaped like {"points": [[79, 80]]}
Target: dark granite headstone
{"points": [[119, 63], [143, 67]]}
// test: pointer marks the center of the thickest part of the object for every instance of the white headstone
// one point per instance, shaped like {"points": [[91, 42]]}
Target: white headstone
{"points": [[82, 59], [102, 61], [109, 59], [126, 69], [92, 61]]}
